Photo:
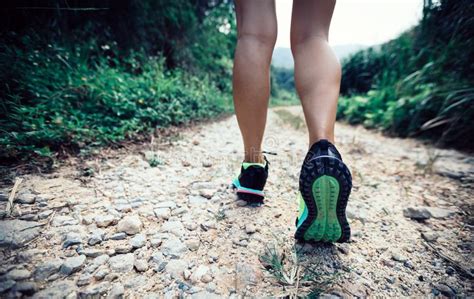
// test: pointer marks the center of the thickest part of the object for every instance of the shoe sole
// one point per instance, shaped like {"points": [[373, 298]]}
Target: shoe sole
{"points": [[325, 185]]}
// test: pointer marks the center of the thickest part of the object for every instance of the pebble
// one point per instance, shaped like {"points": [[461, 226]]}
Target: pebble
{"points": [[250, 229], [140, 265], [117, 291], [122, 262], [72, 264], [72, 239], [193, 244], [101, 273], [173, 247], [18, 274], [166, 204], [176, 268], [445, 290], [156, 242], [59, 289], [63, 220], [197, 200], [130, 225], [246, 275], [27, 288], [207, 193], [174, 227], [104, 220], [84, 279], [16, 233], [46, 269], [198, 273], [96, 237], [44, 214], [26, 198], [118, 236], [430, 236], [417, 213], [397, 256], [241, 203], [138, 241], [207, 164], [6, 284], [162, 213]]}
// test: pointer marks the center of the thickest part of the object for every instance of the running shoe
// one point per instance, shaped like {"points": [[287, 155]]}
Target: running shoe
{"points": [[251, 181], [325, 184]]}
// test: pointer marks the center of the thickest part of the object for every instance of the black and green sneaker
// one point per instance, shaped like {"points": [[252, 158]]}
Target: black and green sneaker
{"points": [[251, 181], [325, 185]]}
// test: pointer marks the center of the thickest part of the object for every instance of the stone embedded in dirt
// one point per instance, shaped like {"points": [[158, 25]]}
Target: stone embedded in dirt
{"points": [[124, 208], [16, 233], [118, 236], [96, 237], [174, 227], [247, 274], [104, 220], [73, 264], [176, 268], [59, 289], [84, 279], [162, 213], [241, 203], [430, 236], [96, 263], [72, 238], [166, 204], [397, 256], [140, 265], [26, 198], [63, 220], [191, 226], [138, 241], [116, 291], [250, 228], [445, 290], [122, 262], [130, 225], [193, 244], [198, 273], [155, 242], [95, 290], [207, 193], [18, 274], [197, 200], [207, 164], [441, 213], [46, 269], [173, 247], [6, 284], [27, 288], [206, 278], [157, 261], [417, 213]]}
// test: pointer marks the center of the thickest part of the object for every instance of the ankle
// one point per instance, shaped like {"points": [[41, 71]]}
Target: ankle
{"points": [[254, 156]]}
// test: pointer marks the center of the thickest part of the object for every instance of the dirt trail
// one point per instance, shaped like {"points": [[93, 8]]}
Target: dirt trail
{"points": [[162, 222]]}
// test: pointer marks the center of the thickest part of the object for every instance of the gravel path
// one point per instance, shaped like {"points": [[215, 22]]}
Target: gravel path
{"points": [[160, 221]]}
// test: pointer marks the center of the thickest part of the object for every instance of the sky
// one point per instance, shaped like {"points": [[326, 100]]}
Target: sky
{"points": [[366, 22]]}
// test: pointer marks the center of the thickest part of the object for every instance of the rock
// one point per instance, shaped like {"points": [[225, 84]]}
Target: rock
{"points": [[60, 289], [198, 273], [409, 264], [96, 237], [96, 263], [18, 274], [122, 262], [424, 212], [138, 241], [156, 242], [445, 290], [6, 284], [205, 295], [343, 248], [166, 204], [162, 213], [16, 233], [101, 273], [84, 279], [206, 163], [193, 244], [140, 265], [45, 214], [27, 288], [247, 274], [124, 208], [95, 290], [118, 236], [197, 200], [72, 239], [241, 203], [136, 282], [72, 264], [207, 225], [130, 225], [46, 269], [397, 256], [430, 236], [176, 268], [179, 211], [173, 247], [157, 260], [191, 226], [187, 274], [121, 249], [250, 228], [104, 220], [206, 278], [116, 292], [207, 193], [63, 220], [441, 213], [174, 227], [26, 198]]}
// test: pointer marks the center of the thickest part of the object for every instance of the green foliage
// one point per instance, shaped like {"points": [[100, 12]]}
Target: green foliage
{"points": [[420, 84], [72, 80], [283, 87]]}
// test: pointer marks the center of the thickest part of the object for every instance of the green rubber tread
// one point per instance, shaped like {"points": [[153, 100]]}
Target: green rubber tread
{"points": [[326, 226]]}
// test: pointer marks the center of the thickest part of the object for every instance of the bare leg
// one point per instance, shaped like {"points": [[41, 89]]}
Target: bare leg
{"points": [[317, 70], [257, 31]]}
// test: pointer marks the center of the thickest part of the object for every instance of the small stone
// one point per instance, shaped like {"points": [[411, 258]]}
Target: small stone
{"points": [[138, 241], [250, 229], [140, 265], [191, 226], [162, 213], [44, 214], [166, 204], [156, 242], [198, 273], [417, 213], [241, 203], [430, 236], [72, 239], [186, 274], [60, 289], [173, 247], [176, 268], [46, 269], [104, 220], [73, 264], [206, 278], [124, 208], [247, 274], [101, 273], [84, 279], [157, 260], [207, 164], [7, 284], [179, 211], [343, 248], [397, 256], [207, 193], [63, 220], [441, 213], [124, 248], [95, 290], [391, 279], [445, 290], [116, 292], [130, 225], [26, 287], [207, 225], [26, 198], [118, 236], [174, 227], [96, 237], [18, 274], [122, 262], [450, 270], [193, 244], [185, 163], [409, 264], [197, 200]]}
